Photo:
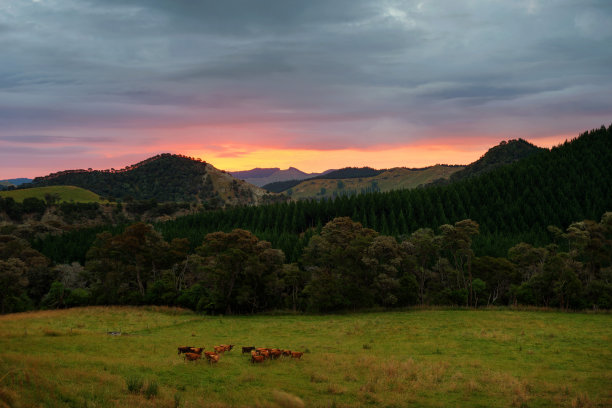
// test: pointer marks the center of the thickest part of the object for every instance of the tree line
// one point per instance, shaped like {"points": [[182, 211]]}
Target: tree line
{"points": [[513, 203], [344, 266]]}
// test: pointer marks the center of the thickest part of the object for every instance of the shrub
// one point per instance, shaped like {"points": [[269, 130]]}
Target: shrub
{"points": [[134, 384], [151, 389]]}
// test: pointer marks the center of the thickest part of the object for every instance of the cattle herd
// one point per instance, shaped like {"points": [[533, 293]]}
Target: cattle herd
{"points": [[258, 354]]}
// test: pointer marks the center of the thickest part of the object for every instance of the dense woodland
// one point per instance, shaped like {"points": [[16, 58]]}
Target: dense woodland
{"points": [[345, 266], [505, 237], [164, 177]]}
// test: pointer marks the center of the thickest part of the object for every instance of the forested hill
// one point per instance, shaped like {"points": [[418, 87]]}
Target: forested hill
{"points": [[345, 173], [512, 203], [504, 153], [165, 177]]}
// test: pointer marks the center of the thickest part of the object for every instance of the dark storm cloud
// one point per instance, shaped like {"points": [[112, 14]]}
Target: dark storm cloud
{"points": [[329, 73]]}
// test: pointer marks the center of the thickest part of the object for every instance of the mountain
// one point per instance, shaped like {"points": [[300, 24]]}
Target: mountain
{"points": [[513, 203], [261, 177], [346, 172], [165, 177], [504, 153], [14, 182], [351, 181]]}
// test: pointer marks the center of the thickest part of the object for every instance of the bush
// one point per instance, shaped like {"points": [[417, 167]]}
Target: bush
{"points": [[151, 389], [134, 384]]}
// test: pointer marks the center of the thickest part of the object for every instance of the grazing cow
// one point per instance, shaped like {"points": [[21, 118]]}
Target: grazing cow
{"points": [[296, 354], [219, 349], [192, 356], [257, 359], [247, 349], [260, 349], [196, 350], [286, 353], [275, 353], [265, 354], [227, 347], [184, 349], [212, 358]]}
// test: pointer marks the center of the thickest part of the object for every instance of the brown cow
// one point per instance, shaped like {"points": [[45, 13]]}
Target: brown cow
{"points": [[265, 354], [296, 354], [208, 353], [192, 356], [212, 358], [286, 353], [275, 353], [184, 349], [257, 359], [196, 350], [219, 349], [227, 347], [247, 349]]}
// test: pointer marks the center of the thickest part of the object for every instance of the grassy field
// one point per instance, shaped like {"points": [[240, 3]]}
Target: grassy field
{"points": [[394, 179], [429, 358], [66, 193]]}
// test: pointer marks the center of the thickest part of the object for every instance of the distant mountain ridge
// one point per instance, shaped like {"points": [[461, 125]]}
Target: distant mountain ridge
{"points": [[358, 180], [262, 176], [14, 182], [504, 153], [165, 177]]}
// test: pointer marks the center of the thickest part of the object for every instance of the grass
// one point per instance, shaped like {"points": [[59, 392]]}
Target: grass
{"points": [[393, 179], [429, 358], [66, 193]]}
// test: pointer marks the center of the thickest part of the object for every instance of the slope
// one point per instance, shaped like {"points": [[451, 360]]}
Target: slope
{"points": [[164, 177], [383, 180], [62, 193], [504, 153]]}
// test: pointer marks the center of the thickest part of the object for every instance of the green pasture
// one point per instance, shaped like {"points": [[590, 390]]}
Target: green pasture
{"points": [[422, 358], [65, 193]]}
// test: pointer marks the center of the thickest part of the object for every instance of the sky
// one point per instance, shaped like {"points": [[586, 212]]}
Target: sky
{"points": [[314, 84]]}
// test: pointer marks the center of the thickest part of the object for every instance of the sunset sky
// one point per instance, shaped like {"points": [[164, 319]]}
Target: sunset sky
{"points": [[313, 84]]}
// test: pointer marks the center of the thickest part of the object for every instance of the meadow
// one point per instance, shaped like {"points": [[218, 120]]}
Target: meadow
{"points": [[64, 193], [425, 358]]}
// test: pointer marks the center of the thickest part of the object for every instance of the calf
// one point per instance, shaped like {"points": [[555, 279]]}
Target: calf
{"points": [[296, 354], [247, 349], [192, 356]]}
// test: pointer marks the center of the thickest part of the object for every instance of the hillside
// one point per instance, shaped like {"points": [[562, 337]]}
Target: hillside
{"points": [[504, 153], [164, 177], [512, 203], [61, 193], [261, 177], [357, 181]]}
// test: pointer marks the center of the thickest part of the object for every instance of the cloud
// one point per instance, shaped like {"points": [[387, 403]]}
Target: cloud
{"points": [[109, 75]]}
